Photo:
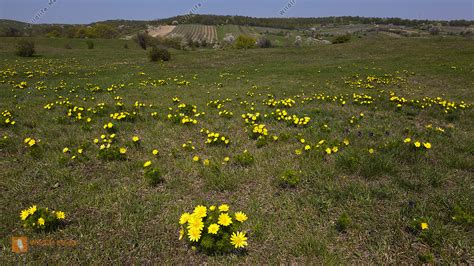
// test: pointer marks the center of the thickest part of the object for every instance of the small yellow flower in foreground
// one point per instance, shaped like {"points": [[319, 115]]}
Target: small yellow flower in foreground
{"points": [[31, 142], [241, 217], [206, 162], [407, 140], [195, 222], [239, 240], [346, 142], [224, 219], [427, 145], [80, 151], [298, 152], [135, 138], [224, 208], [213, 228], [424, 226], [24, 214], [66, 149], [417, 144], [196, 158], [60, 215], [371, 151], [226, 159], [194, 234], [328, 150], [212, 208], [181, 234], [200, 211], [155, 152], [41, 221], [32, 209], [123, 150], [184, 218], [146, 164], [307, 147], [302, 140]]}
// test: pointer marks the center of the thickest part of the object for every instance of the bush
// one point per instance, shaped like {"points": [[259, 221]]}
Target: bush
{"points": [[245, 42], [343, 223], [264, 42], [141, 39], [244, 159], [40, 218], [289, 178], [214, 229], [158, 53], [342, 39], [90, 44], [25, 48]]}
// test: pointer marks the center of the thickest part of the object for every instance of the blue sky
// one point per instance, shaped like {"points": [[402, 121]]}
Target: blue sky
{"points": [[86, 11]]}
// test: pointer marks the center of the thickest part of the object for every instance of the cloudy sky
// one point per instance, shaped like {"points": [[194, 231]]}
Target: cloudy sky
{"points": [[86, 11]]}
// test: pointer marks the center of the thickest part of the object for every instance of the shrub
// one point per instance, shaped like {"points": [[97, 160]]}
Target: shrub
{"points": [[90, 44], [41, 218], [141, 39], [343, 223], [342, 39], [264, 42], [158, 53], [25, 48], [154, 176], [289, 178], [244, 159], [244, 42], [213, 230]]}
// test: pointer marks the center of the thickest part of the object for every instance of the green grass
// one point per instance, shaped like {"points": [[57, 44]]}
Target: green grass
{"points": [[349, 207]]}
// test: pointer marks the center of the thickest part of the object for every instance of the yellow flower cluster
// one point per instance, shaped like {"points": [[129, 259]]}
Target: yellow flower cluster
{"points": [[213, 229], [7, 118], [251, 118], [30, 142], [215, 138], [41, 218], [280, 103], [418, 144]]}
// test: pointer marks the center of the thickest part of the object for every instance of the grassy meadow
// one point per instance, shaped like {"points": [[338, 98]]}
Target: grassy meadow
{"points": [[349, 187]]}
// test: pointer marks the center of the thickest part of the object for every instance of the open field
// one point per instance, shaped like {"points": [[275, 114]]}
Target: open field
{"points": [[363, 192]]}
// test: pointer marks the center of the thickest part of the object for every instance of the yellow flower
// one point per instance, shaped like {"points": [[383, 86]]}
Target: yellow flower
{"points": [[65, 150], [181, 233], [123, 150], [417, 144], [212, 208], [407, 140], [32, 209], [298, 152], [60, 215], [224, 208], [328, 150], [79, 151], [24, 214], [346, 142], [155, 152], [41, 221], [135, 138], [146, 164], [241, 217], [196, 158], [226, 159], [195, 222], [424, 226], [213, 228], [184, 218], [427, 145], [200, 211], [224, 219], [307, 147], [31, 142], [371, 151], [239, 240], [194, 234], [206, 162]]}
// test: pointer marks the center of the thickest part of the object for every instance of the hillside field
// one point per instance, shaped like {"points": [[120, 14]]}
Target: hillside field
{"points": [[356, 153]]}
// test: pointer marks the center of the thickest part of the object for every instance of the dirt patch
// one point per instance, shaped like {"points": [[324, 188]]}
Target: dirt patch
{"points": [[160, 31]]}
